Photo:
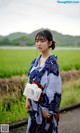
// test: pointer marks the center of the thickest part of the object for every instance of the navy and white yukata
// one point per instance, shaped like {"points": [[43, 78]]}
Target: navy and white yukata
{"points": [[49, 78]]}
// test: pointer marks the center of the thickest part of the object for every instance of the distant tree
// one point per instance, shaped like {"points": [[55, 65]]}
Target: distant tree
{"points": [[5, 41]]}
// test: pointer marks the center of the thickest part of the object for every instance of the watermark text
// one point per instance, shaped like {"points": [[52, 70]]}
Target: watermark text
{"points": [[68, 1]]}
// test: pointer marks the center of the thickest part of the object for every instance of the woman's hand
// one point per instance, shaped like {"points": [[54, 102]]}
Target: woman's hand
{"points": [[28, 106], [45, 114]]}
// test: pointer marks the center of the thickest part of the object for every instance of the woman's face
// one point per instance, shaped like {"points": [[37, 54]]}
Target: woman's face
{"points": [[42, 44]]}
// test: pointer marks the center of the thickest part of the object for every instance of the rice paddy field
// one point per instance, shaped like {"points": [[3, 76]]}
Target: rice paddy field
{"points": [[16, 62]]}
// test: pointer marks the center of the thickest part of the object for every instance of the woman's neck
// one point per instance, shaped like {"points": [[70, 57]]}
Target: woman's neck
{"points": [[44, 57], [46, 54]]}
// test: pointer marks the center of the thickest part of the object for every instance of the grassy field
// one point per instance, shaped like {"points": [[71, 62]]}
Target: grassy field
{"points": [[15, 111], [17, 62]]}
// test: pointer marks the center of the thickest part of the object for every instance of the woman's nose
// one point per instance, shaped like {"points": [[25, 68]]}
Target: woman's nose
{"points": [[38, 43]]}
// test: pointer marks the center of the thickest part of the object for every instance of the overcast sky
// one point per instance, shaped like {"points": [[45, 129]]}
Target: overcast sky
{"points": [[29, 15]]}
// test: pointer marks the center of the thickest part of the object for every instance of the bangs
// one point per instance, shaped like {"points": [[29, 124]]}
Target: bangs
{"points": [[40, 36]]}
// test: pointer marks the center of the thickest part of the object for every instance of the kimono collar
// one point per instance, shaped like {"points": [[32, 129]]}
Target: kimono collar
{"points": [[50, 59]]}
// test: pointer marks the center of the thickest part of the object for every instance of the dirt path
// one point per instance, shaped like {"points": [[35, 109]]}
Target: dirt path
{"points": [[70, 122]]}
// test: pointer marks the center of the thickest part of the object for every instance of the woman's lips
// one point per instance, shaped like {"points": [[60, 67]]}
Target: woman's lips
{"points": [[39, 48]]}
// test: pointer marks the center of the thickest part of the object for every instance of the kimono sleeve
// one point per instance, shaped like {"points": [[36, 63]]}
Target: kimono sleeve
{"points": [[52, 93], [53, 90]]}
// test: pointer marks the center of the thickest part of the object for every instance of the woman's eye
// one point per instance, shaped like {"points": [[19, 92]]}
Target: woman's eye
{"points": [[36, 40], [42, 40]]}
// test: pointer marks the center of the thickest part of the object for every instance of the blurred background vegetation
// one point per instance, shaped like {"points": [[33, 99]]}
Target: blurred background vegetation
{"points": [[24, 39]]}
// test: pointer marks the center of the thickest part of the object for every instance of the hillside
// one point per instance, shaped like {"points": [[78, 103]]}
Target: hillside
{"points": [[24, 39]]}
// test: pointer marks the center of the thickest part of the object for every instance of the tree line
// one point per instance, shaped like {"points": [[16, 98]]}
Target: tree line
{"points": [[24, 39]]}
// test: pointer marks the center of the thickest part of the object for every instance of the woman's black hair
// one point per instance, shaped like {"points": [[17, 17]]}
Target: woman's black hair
{"points": [[47, 35]]}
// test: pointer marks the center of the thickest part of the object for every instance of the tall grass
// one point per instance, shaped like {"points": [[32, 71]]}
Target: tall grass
{"points": [[17, 62], [15, 111], [70, 93]]}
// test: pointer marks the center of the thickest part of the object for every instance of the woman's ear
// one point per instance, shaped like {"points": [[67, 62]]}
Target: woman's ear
{"points": [[50, 43]]}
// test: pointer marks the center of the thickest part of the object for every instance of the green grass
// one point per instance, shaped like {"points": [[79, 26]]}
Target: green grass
{"points": [[70, 93], [15, 111], [17, 62], [68, 59]]}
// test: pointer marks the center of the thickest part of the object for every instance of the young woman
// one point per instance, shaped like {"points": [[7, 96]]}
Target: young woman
{"points": [[44, 71]]}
